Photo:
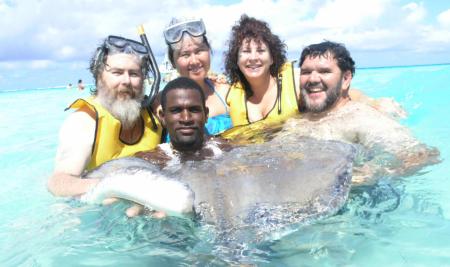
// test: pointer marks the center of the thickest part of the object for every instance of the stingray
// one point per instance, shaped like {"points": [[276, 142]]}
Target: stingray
{"points": [[256, 189]]}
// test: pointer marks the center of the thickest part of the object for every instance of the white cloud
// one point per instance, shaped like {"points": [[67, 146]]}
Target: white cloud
{"points": [[65, 52], [3, 7], [416, 12], [348, 13], [40, 64], [70, 30], [444, 18], [9, 65]]}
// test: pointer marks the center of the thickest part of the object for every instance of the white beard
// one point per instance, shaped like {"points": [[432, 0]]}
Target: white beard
{"points": [[126, 111]]}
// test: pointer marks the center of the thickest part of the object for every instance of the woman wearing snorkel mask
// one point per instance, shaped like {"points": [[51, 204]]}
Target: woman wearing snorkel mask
{"points": [[190, 54]]}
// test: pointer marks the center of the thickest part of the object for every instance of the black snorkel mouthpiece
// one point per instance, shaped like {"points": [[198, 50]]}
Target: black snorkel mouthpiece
{"points": [[148, 100]]}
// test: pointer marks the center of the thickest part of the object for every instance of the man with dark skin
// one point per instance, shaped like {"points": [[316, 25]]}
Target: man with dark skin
{"points": [[184, 115]]}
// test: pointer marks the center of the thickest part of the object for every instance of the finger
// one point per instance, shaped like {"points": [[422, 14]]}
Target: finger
{"points": [[109, 201], [159, 214], [134, 210]]}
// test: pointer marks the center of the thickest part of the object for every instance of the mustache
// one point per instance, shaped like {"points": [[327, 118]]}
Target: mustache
{"points": [[126, 90], [309, 86]]}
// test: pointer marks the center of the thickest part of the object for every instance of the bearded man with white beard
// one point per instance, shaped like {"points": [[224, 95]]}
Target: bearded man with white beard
{"points": [[112, 123]]}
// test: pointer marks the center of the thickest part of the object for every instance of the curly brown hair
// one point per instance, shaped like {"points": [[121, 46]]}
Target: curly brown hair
{"points": [[258, 30]]}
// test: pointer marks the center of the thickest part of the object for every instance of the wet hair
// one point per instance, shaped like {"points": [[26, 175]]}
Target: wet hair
{"points": [[181, 83], [98, 62], [171, 50], [337, 50], [258, 30]]}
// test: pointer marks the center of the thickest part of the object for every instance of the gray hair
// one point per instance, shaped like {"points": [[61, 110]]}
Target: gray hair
{"points": [[98, 62]]}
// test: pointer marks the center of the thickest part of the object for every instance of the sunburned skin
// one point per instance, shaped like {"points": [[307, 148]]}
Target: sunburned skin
{"points": [[357, 123]]}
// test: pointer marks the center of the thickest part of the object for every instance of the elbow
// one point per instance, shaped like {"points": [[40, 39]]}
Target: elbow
{"points": [[424, 157], [53, 185]]}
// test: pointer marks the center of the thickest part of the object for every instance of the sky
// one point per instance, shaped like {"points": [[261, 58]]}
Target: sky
{"points": [[45, 43]]}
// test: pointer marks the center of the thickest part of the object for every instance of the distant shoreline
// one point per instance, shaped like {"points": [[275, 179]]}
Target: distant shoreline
{"points": [[404, 66], [88, 86], [57, 87]]}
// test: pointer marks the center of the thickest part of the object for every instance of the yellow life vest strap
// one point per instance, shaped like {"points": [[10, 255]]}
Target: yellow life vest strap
{"points": [[286, 102], [107, 142]]}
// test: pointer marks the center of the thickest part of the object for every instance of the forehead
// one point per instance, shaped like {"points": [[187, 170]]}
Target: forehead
{"points": [[183, 96], [123, 61], [253, 42], [326, 59], [189, 42]]}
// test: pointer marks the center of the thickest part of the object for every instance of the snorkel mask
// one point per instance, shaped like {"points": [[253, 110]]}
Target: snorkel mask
{"points": [[173, 33], [114, 45], [117, 44]]}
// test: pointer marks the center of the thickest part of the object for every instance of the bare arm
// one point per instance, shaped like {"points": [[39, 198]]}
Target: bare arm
{"points": [[380, 131], [384, 104], [72, 156]]}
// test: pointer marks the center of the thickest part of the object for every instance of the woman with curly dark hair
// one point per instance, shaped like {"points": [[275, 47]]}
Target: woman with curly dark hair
{"points": [[262, 81]]}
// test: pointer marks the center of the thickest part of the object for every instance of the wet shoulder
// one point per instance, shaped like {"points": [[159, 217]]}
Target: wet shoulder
{"points": [[355, 106]]}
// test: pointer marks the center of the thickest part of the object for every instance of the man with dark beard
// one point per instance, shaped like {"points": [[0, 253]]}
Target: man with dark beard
{"points": [[326, 71], [112, 123]]}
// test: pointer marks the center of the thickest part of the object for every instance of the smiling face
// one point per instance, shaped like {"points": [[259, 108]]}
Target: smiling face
{"points": [[254, 59], [184, 117], [322, 82], [192, 58], [120, 87], [123, 76]]}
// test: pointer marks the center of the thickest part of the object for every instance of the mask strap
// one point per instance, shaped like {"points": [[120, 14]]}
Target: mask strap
{"points": [[279, 86]]}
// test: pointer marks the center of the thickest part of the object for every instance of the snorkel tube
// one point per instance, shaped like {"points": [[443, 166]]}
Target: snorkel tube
{"points": [[155, 71]]}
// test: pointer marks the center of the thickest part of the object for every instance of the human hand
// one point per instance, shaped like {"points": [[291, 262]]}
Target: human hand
{"points": [[217, 78], [136, 209], [390, 107]]}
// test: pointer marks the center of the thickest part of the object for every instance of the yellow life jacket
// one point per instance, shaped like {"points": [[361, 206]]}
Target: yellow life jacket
{"points": [[237, 99], [107, 143]]}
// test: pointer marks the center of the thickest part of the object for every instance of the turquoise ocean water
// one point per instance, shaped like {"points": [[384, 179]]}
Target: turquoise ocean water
{"points": [[405, 222]]}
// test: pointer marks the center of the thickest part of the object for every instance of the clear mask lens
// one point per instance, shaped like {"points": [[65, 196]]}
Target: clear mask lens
{"points": [[124, 45], [174, 33]]}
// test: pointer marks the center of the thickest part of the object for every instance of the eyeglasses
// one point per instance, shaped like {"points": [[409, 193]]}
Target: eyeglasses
{"points": [[173, 33], [123, 45]]}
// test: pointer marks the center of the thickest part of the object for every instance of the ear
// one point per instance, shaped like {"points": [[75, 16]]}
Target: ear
{"points": [[206, 113], [346, 80], [161, 117]]}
